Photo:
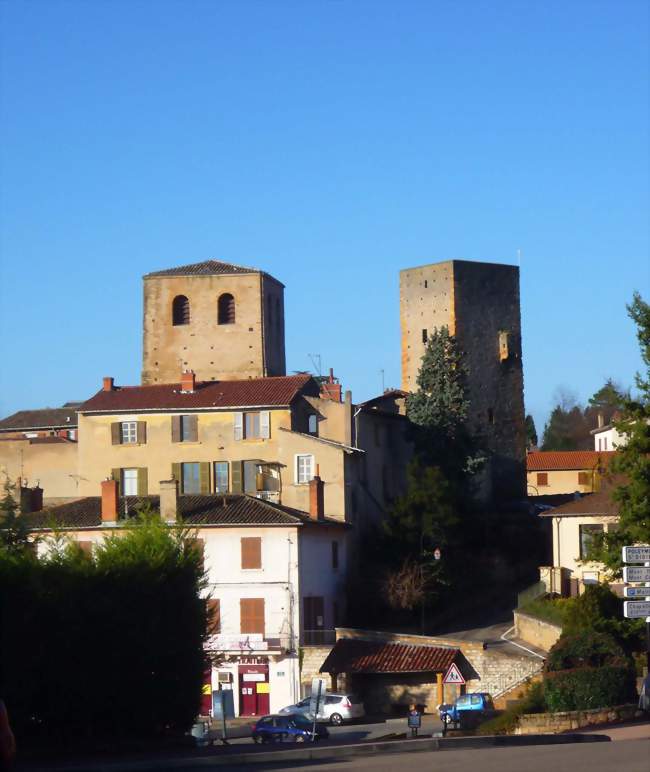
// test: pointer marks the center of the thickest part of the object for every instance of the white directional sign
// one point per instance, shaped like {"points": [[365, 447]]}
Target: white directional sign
{"points": [[636, 554], [453, 676], [636, 574], [635, 609], [636, 592]]}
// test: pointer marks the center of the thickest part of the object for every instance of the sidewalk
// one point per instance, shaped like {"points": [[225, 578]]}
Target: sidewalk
{"points": [[638, 730]]}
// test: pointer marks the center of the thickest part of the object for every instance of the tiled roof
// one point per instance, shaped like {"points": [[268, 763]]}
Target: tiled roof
{"points": [[600, 503], [255, 392], [197, 511], [47, 418], [546, 460], [206, 268], [351, 655]]}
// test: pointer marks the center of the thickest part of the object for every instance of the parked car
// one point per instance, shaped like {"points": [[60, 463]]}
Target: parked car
{"points": [[291, 727], [468, 708], [335, 708]]}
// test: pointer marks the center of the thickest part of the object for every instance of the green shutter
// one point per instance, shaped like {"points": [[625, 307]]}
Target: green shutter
{"points": [[236, 476], [194, 427], [143, 487], [116, 474], [204, 477], [142, 432], [178, 476], [116, 433]]}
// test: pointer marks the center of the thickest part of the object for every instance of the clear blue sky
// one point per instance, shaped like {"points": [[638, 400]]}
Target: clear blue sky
{"points": [[331, 144]]}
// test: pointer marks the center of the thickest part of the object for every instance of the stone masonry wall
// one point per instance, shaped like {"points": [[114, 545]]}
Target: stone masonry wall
{"points": [[536, 631], [555, 723]]}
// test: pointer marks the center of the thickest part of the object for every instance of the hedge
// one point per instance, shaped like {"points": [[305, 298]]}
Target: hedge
{"points": [[589, 687]]}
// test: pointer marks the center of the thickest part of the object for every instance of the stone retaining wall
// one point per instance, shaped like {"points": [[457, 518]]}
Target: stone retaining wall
{"points": [[555, 723], [536, 631]]}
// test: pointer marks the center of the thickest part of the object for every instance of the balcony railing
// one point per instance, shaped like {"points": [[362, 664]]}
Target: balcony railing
{"points": [[272, 496], [319, 637]]}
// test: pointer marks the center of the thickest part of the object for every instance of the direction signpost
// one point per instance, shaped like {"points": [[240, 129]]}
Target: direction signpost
{"points": [[318, 687], [637, 609]]}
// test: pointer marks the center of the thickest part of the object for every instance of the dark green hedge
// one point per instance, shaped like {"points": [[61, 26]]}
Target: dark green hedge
{"points": [[105, 647], [589, 687], [586, 648]]}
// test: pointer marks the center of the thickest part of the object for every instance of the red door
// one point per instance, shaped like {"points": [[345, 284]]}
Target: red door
{"points": [[254, 694]]}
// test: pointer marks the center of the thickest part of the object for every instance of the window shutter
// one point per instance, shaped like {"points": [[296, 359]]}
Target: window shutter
{"points": [[239, 426], [176, 428], [194, 427], [142, 432], [251, 615], [116, 433], [204, 477], [236, 476], [265, 424], [177, 474], [251, 552], [116, 474], [214, 616], [143, 484]]}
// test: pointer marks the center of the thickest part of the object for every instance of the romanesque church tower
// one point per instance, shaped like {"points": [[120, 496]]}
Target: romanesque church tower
{"points": [[222, 321], [479, 303]]}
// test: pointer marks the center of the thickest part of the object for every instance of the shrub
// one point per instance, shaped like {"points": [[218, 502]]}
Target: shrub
{"points": [[531, 702], [587, 688], [586, 649]]}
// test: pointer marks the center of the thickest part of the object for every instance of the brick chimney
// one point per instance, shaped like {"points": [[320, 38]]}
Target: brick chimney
{"points": [[108, 383], [188, 381], [169, 501], [329, 389], [109, 501], [316, 497], [31, 499]]}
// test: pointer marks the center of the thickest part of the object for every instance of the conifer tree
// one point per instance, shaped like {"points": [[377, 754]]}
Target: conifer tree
{"points": [[13, 530]]}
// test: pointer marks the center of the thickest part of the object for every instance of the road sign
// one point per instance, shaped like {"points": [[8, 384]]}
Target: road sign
{"points": [[453, 675], [636, 592], [636, 574], [635, 609], [636, 554]]}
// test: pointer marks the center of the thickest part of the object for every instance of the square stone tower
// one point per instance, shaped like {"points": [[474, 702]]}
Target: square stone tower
{"points": [[479, 303], [223, 321]]}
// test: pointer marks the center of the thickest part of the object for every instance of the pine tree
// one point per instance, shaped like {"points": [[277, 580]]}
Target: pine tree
{"points": [[13, 529], [632, 460], [531, 432]]}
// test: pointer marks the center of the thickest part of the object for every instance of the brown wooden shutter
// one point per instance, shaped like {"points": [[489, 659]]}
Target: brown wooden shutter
{"points": [[177, 475], [251, 612], [542, 478], [214, 616], [193, 421], [236, 476], [143, 481], [204, 477], [141, 436], [176, 428], [116, 433], [583, 478], [251, 552], [116, 474]]}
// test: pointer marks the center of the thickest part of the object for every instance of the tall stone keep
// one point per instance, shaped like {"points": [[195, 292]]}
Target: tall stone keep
{"points": [[222, 321], [479, 303]]}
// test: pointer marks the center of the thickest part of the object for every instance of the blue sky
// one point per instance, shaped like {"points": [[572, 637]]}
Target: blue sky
{"points": [[331, 144]]}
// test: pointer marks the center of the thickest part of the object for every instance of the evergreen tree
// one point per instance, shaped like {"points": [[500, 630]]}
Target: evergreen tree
{"points": [[13, 530], [632, 460], [608, 400], [531, 432]]}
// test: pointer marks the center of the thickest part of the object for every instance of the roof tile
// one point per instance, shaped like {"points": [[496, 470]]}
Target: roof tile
{"points": [[47, 418], [351, 655], [543, 460]]}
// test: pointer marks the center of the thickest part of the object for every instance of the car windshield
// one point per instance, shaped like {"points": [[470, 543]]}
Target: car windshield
{"points": [[300, 721]]}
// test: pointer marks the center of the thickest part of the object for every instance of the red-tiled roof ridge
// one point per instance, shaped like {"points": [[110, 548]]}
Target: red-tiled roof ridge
{"points": [[354, 655], [542, 460], [600, 503], [271, 391]]}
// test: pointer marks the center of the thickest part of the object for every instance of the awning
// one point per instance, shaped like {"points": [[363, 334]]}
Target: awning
{"points": [[351, 655]]}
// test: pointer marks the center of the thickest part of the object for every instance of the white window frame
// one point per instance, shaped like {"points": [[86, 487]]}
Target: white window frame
{"points": [[132, 478], [129, 432], [301, 477]]}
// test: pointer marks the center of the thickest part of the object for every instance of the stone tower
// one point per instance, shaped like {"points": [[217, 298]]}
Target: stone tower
{"points": [[479, 303], [223, 321]]}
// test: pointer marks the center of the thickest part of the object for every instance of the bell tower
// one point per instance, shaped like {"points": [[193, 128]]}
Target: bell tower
{"points": [[223, 321]]}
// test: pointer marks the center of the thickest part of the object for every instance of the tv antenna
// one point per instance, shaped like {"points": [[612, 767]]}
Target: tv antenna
{"points": [[383, 387], [316, 361]]}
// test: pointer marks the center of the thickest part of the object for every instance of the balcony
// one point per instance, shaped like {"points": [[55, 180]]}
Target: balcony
{"points": [[272, 496], [319, 637]]}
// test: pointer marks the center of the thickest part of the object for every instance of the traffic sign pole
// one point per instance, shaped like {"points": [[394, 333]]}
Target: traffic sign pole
{"points": [[639, 554]]}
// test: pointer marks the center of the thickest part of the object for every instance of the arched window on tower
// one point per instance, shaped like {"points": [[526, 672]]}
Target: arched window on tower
{"points": [[180, 310], [226, 311]]}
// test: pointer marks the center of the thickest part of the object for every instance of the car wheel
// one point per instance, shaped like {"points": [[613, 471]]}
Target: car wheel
{"points": [[336, 719], [299, 738], [446, 718], [256, 739]]}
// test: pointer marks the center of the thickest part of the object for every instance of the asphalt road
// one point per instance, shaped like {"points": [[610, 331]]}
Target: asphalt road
{"points": [[628, 756]]}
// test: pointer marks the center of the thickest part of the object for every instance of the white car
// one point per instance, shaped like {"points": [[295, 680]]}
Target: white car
{"points": [[335, 708]]}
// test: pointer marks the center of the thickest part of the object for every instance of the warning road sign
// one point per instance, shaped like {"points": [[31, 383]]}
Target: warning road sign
{"points": [[453, 676]]}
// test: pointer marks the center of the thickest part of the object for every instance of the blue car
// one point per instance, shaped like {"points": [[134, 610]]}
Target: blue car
{"points": [[468, 708], [292, 728]]}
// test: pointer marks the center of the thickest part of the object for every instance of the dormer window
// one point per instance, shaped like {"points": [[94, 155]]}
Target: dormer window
{"points": [[180, 310], [312, 426], [226, 309]]}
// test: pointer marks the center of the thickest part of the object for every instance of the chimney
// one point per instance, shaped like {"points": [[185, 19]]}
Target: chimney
{"points": [[601, 419], [31, 499], [188, 381], [108, 383], [316, 498], [329, 389], [169, 501], [109, 501], [348, 417]]}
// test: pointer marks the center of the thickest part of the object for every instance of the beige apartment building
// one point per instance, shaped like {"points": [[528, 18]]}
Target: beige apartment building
{"points": [[554, 472]]}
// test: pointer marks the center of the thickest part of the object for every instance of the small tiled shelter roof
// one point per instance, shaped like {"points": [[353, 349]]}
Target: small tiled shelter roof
{"points": [[557, 460], [277, 391], [196, 511], [47, 418], [599, 504], [352, 655]]}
